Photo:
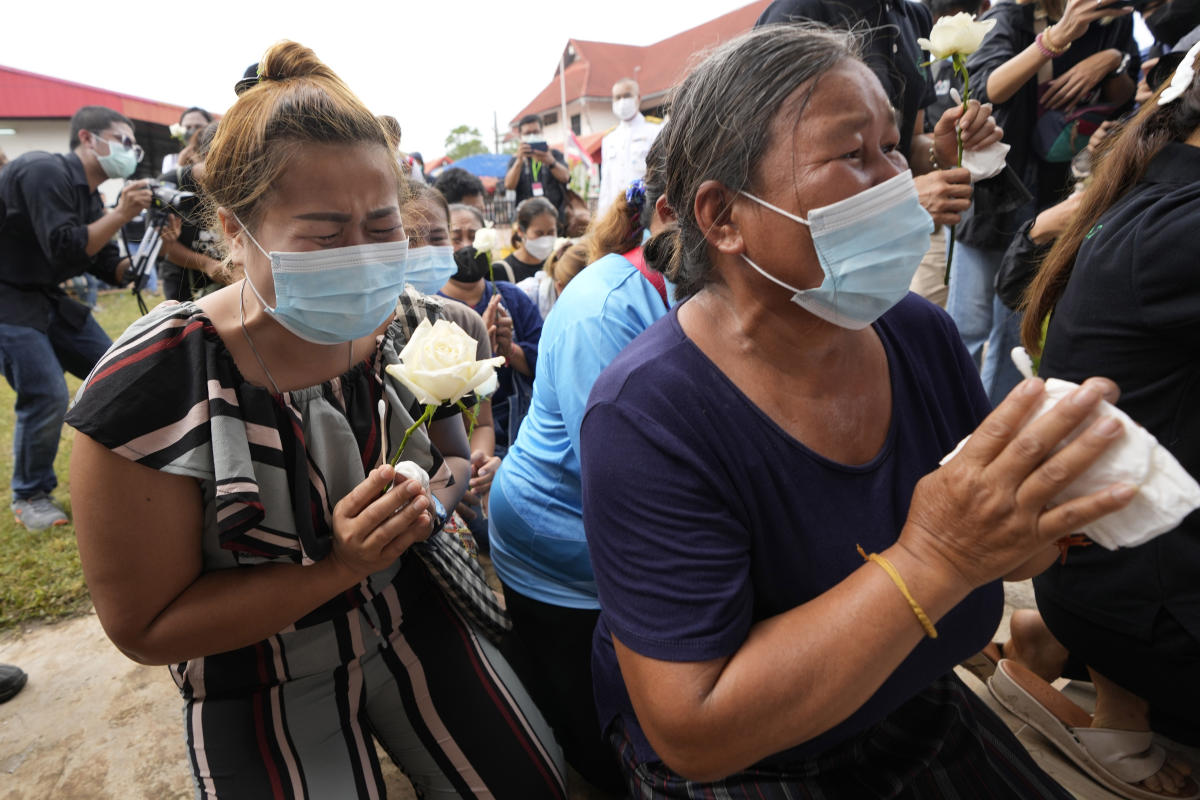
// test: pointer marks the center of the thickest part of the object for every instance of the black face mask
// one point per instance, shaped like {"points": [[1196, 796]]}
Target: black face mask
{"points": [[472, 266]]}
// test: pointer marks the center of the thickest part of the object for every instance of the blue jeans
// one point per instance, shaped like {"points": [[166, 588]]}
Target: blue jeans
{"points": [[982, 319], [33, 363]]}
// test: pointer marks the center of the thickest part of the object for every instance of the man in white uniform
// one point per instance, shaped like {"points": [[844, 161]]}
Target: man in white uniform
{"points": [[623, 150]]}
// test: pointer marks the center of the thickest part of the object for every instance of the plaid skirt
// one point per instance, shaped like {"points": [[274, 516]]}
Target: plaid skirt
{"points": [[944, 744]]}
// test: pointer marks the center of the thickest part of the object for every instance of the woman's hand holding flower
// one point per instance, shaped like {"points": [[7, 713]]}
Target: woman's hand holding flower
{"points": [[373, 526], [974, 121], [984, 514]]}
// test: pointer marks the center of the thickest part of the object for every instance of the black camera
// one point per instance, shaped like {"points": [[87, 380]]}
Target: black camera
{"points": [[166, 196]]}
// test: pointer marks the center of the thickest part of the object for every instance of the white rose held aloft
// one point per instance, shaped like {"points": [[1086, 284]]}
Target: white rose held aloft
{"points": [[956, 34], [438, 364], [486, 240]]}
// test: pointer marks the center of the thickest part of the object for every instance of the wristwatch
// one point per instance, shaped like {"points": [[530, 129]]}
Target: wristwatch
{"points": [[1120, 70], [439, 514]]}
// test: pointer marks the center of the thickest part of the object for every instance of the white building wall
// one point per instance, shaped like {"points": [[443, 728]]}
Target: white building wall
{"points": [[595, 117], [34, 134]]}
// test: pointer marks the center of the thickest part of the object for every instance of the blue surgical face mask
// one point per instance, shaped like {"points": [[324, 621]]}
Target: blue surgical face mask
{"points": [[430, 267], [121, 161], [869, 246], [336, 295]]}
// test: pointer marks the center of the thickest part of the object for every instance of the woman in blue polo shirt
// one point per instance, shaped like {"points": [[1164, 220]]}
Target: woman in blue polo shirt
{"points": [[536, 519]]}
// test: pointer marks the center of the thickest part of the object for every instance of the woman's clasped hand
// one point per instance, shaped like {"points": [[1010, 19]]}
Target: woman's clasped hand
{"points": [[985, 514], [378, 520]]}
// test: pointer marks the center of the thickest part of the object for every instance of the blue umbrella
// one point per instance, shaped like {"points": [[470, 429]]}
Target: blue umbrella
{"points": [[485, 164]]}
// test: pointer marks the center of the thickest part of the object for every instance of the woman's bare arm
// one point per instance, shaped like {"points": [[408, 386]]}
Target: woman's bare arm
{"points": [[140, 547]]}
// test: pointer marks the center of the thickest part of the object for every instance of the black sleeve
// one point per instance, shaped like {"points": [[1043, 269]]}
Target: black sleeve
{"points": [[50, 202], [794, 11], [923, 22], [1004, 41], [104, 264], [1119, 36], [1019, 266], [1166, 283]]}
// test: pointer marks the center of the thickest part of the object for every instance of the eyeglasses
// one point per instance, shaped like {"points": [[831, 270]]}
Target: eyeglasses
{"points": [[126, 142]]}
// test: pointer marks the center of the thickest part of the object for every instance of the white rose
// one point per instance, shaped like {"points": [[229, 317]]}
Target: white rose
{"points": [[438, 364], [957, 34], [486, 240], [177, 131]]}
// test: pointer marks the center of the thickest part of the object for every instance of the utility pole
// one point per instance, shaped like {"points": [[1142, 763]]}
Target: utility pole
{"points": [[495, 132]]}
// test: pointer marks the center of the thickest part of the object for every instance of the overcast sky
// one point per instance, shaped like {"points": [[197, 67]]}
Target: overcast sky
{"points": [[433, 64]]}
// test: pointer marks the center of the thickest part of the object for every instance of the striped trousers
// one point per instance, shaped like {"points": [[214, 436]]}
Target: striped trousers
{"points": [[296, 716]]}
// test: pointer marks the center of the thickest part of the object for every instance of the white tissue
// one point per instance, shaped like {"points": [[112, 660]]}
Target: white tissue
{"points": [[1166, 492], [413, 470], [986, 163]]}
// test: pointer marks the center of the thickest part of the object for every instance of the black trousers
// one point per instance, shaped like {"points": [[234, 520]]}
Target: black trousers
{"points": [[1162, 670], [550, 647]]}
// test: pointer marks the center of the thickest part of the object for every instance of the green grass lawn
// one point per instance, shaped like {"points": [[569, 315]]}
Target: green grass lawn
{"points": [[39, 571]]}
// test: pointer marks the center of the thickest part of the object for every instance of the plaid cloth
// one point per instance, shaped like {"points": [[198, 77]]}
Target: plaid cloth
{"points": [[449, 560]]}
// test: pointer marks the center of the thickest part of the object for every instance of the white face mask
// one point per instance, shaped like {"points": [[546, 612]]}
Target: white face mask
{"points": [[540, 248], [626, 108]]}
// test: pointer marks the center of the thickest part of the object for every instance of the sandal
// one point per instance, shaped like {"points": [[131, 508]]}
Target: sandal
{"points": [[1117, 760], [983, 664]]}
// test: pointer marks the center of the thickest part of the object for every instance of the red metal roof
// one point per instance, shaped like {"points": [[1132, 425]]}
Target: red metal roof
{"points": [[660, 66], [27, 95]]}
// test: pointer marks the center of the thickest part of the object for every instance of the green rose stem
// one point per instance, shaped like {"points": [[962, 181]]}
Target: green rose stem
{"points": [[960, 67], [470, 417], [425, 417]]}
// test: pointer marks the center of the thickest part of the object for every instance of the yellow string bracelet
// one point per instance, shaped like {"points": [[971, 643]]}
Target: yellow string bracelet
{"points": [[922, 617]]}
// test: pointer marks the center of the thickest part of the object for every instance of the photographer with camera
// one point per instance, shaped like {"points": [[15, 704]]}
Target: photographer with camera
{"points": [[536, 170], [192, 265], [55, 227]]}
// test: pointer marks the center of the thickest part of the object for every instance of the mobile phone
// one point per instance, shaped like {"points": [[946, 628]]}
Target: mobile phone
{"points": [[542, 146], [1137, 4]]}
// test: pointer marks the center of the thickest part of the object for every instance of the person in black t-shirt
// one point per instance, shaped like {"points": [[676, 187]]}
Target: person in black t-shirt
{"points": [[536, 170], [1122, 293], [54, 228], [533, 239]]}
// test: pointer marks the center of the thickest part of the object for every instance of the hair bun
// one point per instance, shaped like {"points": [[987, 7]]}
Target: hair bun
{"points": [[285, 60]]}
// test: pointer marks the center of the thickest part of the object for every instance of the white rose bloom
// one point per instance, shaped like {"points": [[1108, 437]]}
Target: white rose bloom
{"points": [[177, 130], [438, 364], [956, 34], [486, 240]]}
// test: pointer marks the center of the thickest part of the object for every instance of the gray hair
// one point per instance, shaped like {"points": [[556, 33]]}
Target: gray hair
{"points": [[721, 119]]}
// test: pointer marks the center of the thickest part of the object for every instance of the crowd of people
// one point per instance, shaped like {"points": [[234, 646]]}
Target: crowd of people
{"points": [[709, 475]]}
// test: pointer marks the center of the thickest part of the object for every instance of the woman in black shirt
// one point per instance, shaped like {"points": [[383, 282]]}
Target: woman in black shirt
{"points": [[1122, 293], [537, 228]]}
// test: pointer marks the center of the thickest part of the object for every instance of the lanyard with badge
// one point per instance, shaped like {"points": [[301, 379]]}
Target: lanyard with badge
{"points": [[535, 166]]}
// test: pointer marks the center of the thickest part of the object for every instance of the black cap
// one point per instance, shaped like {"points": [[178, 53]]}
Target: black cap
{"points": [[416, 156], [249, 78]]}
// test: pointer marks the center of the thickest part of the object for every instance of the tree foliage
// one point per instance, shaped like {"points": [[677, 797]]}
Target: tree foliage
{"points": [[464, 141]]}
